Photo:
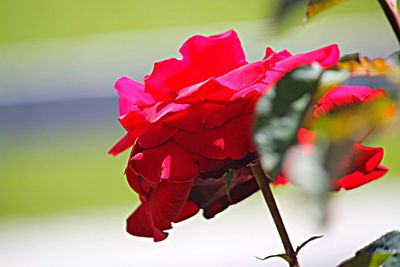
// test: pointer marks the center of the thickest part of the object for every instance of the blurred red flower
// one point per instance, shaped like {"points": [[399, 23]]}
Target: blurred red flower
{"points": [[362, 163], [190, 122]]}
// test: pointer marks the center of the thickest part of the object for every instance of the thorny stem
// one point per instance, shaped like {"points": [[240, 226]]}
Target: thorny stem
{"points": [[391, 14], [262, 181]]}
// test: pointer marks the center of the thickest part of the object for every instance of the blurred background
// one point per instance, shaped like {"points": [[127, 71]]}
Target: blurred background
{"points": [[63, 200]]}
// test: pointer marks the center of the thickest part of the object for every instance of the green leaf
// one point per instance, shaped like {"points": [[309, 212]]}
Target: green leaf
{"points": [[384, 251], [393, 261], [280, 113]]}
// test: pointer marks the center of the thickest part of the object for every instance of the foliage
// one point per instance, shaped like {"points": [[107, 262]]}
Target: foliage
{"points": [[384, 251], [280, 115], [337, 132]]}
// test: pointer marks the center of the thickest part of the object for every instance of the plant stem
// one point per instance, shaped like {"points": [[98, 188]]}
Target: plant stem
{"points": [[262, 181], [392, 16]]}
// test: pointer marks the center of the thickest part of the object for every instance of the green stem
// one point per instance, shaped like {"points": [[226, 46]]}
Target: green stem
{"points": [[392, 16], [262, 181]]}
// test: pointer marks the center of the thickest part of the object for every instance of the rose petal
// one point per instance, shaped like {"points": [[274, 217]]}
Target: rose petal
{"points": [[168, 162], [226, 141], [133, 120], [363, 158], [126, 142], [160, 110], [239, 81], [359, 178], [211, 194], [156, 136], [281, 180], [137, 183], [327, 57], [202, 58], [210, 90], [141, 223], [244, 76], [131, 93], [305, 136], [274, 57], [343, 96], [188, 211], [155, 215], [253, 91], [143, 117], [205, 115], [360, 166]]}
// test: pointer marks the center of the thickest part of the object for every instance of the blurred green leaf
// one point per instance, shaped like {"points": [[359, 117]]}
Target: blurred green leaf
{"points": [[305, 166], [395, 58], [280, 114], [384, 251], [316, 6], [285, 6]]}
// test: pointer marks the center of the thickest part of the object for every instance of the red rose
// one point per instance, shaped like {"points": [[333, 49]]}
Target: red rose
{"points": [[190, 122], [344, 96], [362, 164]]}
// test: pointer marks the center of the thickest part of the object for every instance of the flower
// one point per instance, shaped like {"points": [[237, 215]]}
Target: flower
{"points": [[362, 163], [344, 96], [191, 122]]}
